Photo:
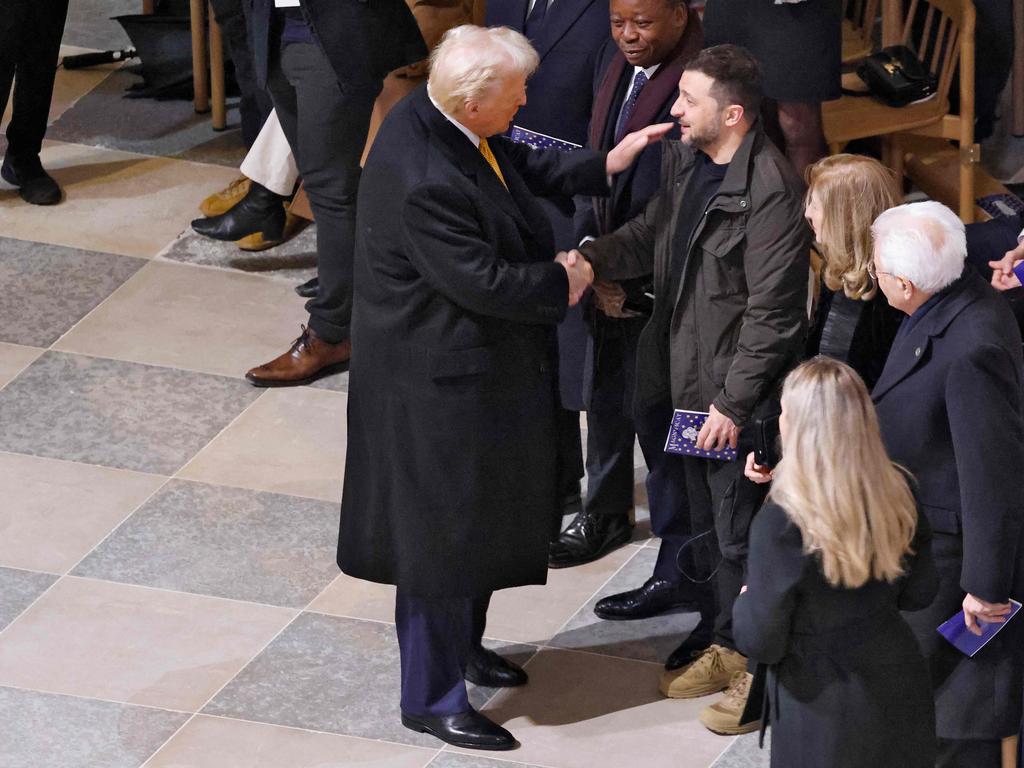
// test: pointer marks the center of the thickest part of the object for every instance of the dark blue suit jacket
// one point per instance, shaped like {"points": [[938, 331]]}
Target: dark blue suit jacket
{"points": [[950, 404], [362, 40], [559, 95]]}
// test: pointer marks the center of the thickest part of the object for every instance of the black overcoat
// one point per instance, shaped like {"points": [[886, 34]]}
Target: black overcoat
{"points": [[951, 409], [847, 686], [450, 472], [362, 40]]}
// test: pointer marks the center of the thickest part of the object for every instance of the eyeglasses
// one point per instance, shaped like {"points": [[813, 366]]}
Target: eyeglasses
{"points": [[874, 273]]}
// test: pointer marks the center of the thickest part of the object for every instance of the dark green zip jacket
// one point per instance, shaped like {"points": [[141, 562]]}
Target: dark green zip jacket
{"points": [[737, 322]]}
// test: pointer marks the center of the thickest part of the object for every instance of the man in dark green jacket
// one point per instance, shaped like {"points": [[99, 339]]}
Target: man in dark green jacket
{"points": [[728, 245]]}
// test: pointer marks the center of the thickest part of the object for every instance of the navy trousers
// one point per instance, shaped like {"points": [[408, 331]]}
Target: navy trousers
{"points": [[435, 638]]}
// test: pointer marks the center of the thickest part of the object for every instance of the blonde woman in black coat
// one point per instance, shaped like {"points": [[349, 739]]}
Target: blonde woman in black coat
{"points": [[835, 554]]}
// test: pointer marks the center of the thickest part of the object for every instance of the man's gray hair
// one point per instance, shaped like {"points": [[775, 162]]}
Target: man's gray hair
{"points": [[922, 242], [470, 59]]}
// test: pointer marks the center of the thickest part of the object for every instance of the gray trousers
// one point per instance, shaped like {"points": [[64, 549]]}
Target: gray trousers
{"points": [[326, 125]]}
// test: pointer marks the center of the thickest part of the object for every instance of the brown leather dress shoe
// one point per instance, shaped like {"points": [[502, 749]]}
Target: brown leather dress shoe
{"points": [[309, 359]]}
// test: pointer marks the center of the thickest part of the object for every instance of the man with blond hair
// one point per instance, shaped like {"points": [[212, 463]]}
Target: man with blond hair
{"points": [[450, 473], [951, 408]]}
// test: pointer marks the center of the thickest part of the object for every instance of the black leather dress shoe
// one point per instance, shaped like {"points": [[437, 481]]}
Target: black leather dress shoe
{"points": [[490, 670], [308, 289], [691, 647], [587, 538], [34, 184], [469, 730], [259, 211], [654, 597]]}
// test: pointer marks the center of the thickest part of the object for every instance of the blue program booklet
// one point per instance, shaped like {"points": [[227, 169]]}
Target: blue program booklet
{"points": [[965, 641], [682, 437], [540, 140]]}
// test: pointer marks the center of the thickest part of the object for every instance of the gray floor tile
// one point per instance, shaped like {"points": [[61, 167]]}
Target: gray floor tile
{"points": [[105, 118], [647, 640], [744, 753], [453, 760], [44, 729], [224, 542], [328, 673], [89, 23], [116, 414], [294, 261], [324, 673], [337, 382], [46, 289], [17, 591]]}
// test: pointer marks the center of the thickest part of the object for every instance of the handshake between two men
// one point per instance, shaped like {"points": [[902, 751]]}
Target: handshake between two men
{"points": [[620, 157]]}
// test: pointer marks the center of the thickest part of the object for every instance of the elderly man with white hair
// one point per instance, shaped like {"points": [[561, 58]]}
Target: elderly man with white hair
{"points": [[951, 408], [450, 474]]}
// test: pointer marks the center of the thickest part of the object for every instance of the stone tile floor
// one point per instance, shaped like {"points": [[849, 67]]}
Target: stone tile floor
{"points": [[168, 593]]}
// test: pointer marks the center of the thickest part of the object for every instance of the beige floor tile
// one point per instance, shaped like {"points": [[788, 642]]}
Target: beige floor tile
{"points": [[586, 711], [289, 441], [69, 85], [132, 644], [116, 202], [523, 615], [358, 599], [15, 358], [200, 319], [213, 742], [535, 614], [55, 512]]}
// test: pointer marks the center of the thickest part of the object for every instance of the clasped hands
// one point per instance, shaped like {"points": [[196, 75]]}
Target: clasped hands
{"points": [[579, 271]]}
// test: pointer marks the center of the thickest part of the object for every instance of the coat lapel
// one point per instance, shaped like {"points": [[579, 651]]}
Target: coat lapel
{"points": [[457, 147], [560, 16], [912, 350]]}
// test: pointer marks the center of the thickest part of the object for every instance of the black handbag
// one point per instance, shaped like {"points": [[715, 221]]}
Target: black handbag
{"points": [[896, 76]]}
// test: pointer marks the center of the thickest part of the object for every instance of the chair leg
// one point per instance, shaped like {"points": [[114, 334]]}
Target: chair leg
{"points": [[968, 157]]}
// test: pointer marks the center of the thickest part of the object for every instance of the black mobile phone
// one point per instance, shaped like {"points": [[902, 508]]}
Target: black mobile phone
{"points": [[767, 445]]}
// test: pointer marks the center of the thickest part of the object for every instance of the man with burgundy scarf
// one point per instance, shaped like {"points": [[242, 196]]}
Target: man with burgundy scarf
{"points": [[635, 84]]}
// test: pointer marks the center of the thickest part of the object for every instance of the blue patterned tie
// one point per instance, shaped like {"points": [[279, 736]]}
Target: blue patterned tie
{"points": [[639, 81], [535, 20]]}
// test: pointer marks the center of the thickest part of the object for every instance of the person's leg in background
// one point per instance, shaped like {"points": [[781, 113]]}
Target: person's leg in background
{"points": [[326, 128], [677, 578], [30, 35], [993, 43], [254, 106], [271, 172], [603, 523]]}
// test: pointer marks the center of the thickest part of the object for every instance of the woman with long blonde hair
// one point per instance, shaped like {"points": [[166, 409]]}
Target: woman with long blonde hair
{"points": [[836, 553], [854, 322]]}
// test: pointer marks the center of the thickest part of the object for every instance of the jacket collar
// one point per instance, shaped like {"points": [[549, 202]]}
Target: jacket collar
{"points": [[458, 148], [912, 350]]}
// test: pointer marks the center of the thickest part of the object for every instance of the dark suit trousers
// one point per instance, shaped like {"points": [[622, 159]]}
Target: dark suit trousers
{"points": [[326, 128], [722, 506], [254, 105], [30, 33], [679, 558], [435, 636], [610, 432]]}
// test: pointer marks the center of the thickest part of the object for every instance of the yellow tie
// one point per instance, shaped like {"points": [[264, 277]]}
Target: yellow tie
{"points": [[485, 150]]}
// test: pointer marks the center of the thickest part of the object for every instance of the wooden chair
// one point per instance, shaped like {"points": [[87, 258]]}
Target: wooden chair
{"points": [[944, 43], [858, 24]]}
